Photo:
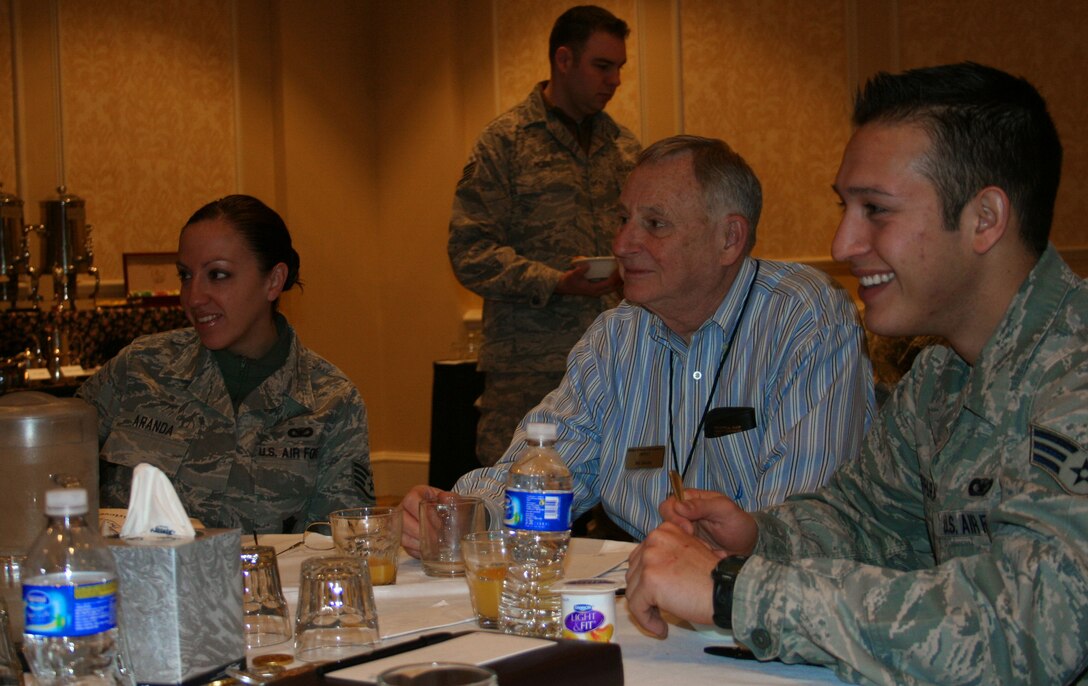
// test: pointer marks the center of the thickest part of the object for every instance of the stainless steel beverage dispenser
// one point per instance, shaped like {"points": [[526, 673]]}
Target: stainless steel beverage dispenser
{"points": [[14, 249], [66, 252], [45, 442], [67, 248]]}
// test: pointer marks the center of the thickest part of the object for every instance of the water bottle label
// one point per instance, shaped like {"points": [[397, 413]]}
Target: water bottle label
{"points": [[538, 511], [77, 610]]}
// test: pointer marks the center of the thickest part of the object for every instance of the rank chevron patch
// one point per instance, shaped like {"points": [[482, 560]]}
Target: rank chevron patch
{"points": [[1061, 458]]}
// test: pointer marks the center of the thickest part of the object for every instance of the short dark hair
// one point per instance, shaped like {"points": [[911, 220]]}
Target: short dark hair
{"points": [[726, 181], [987, 127], [574, 27], [260, 226]]}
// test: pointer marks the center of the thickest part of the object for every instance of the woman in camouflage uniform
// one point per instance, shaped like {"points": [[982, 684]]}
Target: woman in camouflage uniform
{"points": [[254, 430]]}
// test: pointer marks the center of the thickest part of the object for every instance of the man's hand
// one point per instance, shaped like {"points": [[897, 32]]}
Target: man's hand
{"points": [[714, 519], [670, 571], [409, 507], [574, 282]]}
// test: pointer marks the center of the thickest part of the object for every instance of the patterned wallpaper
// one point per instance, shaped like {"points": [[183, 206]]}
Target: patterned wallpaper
{"points": [[149, 117], [770, 79], [150, 120], [522, 29], [7, 101], [1041, 40]]}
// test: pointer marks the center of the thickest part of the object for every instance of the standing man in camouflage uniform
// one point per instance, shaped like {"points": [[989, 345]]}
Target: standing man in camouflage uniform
{"points": [[540, 189], [954, 550]]}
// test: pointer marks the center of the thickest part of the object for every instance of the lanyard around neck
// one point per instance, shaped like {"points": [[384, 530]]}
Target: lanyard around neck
{"points": [[683, 469]]}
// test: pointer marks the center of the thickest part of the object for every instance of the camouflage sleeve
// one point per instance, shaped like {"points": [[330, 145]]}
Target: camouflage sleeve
{"points": [[871, 510], [863, 601], [482, 241], [345, 478], [103, 391]]}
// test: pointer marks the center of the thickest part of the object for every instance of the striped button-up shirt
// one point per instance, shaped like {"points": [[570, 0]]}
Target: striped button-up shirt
{"points": [[798, 359]]}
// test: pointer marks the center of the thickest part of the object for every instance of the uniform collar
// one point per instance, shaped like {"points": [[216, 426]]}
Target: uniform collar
{"points": [[289, 390], [538, 114], [1007, 356]]}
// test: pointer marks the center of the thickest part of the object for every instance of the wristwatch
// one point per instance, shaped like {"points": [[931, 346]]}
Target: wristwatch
{"points": [[725, 577]]}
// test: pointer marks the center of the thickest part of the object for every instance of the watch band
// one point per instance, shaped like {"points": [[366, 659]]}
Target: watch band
{"points": [[725, 578]]}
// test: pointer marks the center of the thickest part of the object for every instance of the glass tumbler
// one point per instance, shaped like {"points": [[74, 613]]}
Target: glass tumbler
{"points": [[264, 608], [486, 559], [336, 615], [372, 533], [442, 525], [11, 590], [11, 671]]}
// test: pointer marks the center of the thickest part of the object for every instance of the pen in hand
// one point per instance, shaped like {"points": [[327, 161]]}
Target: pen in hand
{"points": [[677, 485]]}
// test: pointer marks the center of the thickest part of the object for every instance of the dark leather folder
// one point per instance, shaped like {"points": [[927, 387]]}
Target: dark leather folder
{"points": [[571, 663]]}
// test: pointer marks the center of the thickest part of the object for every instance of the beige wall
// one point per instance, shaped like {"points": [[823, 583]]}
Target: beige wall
{"points": [[752, 79], [354, 119], [1042, 40]]}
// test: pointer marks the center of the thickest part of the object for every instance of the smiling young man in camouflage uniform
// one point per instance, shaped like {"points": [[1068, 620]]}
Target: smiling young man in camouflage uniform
{"points": [[539, 190], [954, 550]]}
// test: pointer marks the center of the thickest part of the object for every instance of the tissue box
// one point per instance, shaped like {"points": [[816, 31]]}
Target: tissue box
{"points": [[181, 605]]}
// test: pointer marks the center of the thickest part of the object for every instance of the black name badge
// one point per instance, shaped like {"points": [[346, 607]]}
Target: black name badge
{"points": [[647, 457], [722, 421]]}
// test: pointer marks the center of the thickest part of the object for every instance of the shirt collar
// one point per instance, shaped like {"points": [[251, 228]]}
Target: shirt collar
{"points": [[726, 317], [1006, 357], [289, 387], [540, 114]]}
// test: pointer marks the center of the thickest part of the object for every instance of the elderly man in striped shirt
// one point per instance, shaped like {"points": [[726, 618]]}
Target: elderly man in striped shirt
{"points": [[745, 376]]}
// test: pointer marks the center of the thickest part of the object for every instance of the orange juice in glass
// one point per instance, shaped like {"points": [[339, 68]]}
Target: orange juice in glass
{"points": [[382, 572], [485, 568], [372, 533]]}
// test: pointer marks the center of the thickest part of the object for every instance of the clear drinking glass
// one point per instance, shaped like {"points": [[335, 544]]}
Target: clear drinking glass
{"points": [[11, 590], [11, 671], [264, 608], [486, 560], [373, 534], [442, 525], [336, 615]]}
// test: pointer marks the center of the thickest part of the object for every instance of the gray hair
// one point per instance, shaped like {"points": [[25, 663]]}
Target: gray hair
{"points": [[727, 183]]}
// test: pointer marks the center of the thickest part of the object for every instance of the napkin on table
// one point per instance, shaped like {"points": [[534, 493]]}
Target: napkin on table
{"points": [[154, 509]]}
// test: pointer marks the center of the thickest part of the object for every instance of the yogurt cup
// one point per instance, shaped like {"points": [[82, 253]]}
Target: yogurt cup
{"points": [[589, 609]]}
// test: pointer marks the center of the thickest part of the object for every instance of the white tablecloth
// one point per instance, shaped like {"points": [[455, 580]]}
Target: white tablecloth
{"points": [[418, 604]]}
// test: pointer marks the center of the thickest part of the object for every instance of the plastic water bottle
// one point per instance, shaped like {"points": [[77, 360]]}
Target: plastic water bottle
{"points": [[539, 494], [71, 635]]}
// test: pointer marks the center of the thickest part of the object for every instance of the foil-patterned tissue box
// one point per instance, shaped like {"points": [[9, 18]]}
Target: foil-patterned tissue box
{"points": [[181, 605]]}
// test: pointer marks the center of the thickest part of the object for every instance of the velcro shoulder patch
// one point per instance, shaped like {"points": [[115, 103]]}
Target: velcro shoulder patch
{"points": [[1060, 457]]}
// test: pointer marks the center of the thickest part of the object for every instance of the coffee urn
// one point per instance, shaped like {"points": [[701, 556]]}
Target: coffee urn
{"points": [[68, 249], [45, 443], [14, 250]]}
